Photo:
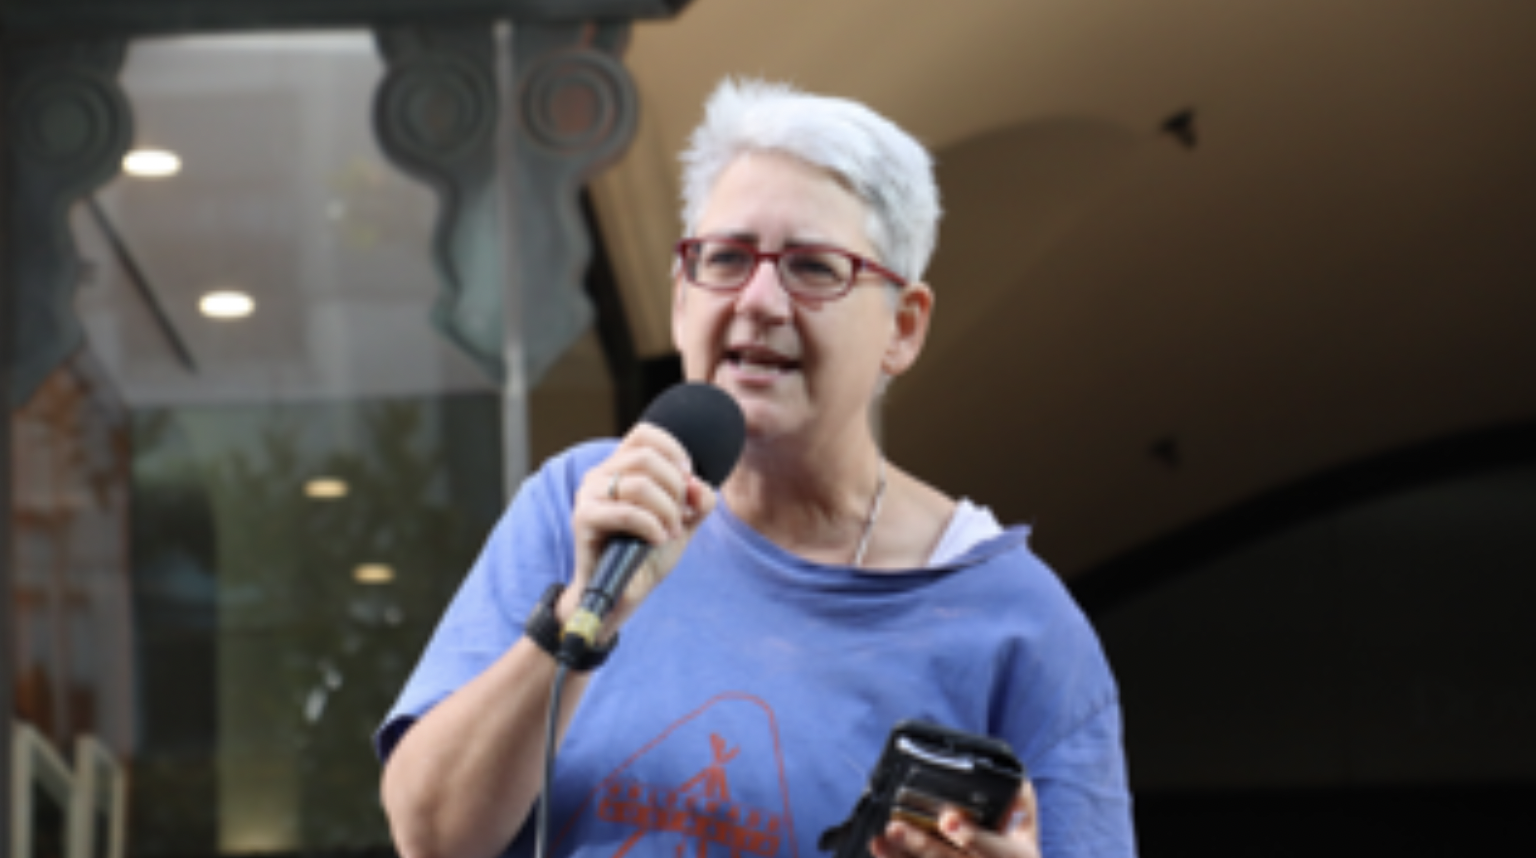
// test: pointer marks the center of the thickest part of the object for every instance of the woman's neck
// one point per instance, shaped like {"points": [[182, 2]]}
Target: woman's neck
{"points": [[817, 506]]}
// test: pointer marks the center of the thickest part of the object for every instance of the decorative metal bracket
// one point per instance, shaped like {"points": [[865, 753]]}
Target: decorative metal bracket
{"points": [[577, 114], [436, 116], [71, 126]]}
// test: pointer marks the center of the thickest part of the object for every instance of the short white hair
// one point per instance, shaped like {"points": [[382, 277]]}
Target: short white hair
{"points": [[888, 170]]}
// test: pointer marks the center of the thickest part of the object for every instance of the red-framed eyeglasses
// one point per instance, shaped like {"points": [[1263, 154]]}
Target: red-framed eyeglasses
{"points": [[815, 272]]}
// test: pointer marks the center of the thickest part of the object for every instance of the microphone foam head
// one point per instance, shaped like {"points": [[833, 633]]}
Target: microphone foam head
{"points": [[707, 422]]}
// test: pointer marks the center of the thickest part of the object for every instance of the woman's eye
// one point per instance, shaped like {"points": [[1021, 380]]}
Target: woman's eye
{"points": [[815, 269], [725, 258]]}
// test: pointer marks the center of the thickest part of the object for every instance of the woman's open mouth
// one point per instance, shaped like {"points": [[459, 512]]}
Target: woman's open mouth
{"points": [[759, 362]]}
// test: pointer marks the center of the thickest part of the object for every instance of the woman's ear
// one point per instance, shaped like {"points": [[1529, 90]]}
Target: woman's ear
{"points": [[914, 309]]}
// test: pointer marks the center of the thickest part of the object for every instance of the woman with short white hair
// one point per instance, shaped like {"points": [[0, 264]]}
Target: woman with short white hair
{"points": [[784, 624]]}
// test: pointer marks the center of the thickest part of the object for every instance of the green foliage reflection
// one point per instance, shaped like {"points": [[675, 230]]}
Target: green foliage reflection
{"points": [[308, 658]]}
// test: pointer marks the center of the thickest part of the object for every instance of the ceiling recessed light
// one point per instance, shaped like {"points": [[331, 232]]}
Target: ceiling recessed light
{"points": [[325, 488], [373, 573], [226, 305], [151, 163]]}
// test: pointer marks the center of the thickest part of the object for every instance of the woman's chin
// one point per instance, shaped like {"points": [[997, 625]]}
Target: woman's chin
{"points": [[766, 421], [770, 404]]}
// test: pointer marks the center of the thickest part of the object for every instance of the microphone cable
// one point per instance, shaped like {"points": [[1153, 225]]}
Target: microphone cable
{"points": [[551, 730], [709, 425]]}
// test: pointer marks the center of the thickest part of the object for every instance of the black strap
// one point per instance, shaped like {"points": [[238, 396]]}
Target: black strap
{"points": [[543, 628]]}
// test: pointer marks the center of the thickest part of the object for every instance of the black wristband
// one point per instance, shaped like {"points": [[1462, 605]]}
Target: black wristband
{"points": [[543, 628]]}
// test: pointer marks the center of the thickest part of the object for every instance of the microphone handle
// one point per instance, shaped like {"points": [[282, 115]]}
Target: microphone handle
{"points": [[622, 556]]}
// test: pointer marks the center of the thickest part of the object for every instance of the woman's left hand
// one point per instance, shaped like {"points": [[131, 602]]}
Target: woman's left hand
{"points": [[964, 839]]}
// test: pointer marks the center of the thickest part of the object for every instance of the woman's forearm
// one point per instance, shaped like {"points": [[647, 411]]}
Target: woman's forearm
{"points": [[462, 780]]}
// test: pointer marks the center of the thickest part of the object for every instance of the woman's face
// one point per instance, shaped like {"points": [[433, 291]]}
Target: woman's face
{"points": [[800, 370]]}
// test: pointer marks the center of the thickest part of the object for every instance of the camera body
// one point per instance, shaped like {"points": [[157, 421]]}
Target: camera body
{"points": [[923, 769]]}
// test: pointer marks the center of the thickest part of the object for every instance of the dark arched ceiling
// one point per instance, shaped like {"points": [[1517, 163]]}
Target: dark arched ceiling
{"points": [[1133, 335]]}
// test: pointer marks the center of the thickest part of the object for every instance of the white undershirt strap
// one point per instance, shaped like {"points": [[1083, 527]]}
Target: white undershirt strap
{"points": [[969, 526]]}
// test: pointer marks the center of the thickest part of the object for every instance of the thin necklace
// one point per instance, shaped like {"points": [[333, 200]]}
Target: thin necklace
{"points": [[869, 520]]}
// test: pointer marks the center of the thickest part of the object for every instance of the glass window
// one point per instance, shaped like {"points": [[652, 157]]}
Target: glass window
{"points": [[242, 509]]}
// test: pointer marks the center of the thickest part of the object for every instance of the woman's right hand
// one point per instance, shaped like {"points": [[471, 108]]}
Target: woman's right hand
{"points": [[462, 781], [646, 489]]}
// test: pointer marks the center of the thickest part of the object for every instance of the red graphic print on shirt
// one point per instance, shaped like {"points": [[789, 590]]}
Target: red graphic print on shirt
{"points": [[700, 815]]}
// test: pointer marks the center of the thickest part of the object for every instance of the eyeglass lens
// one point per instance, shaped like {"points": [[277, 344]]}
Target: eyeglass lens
{"points": [[729, 265]]}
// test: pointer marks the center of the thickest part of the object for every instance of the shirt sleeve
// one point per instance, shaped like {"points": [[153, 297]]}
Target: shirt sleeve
{"points": [[1060, 706], [530, 548], [1085, 801]]}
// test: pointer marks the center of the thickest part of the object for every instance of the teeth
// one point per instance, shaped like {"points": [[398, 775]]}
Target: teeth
{"points": [[758, 364]]}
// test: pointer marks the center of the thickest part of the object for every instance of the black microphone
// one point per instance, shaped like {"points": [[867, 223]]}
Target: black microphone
{"points": [[710, 426]]}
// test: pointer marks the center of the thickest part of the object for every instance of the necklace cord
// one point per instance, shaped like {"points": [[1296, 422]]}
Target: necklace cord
{"points": [[869, 520]]}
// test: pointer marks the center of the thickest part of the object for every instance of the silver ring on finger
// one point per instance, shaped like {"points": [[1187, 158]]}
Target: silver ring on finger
{"points": [[613, 485]]}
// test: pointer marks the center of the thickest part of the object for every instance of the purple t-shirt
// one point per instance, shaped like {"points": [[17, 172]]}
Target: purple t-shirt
{"points": [[751, 694]]}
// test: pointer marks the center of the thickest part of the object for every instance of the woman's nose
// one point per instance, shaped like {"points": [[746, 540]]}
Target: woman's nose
{"points": [[763, 295]]}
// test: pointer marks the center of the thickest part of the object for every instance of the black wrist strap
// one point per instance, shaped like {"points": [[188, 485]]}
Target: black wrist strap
{"points": [[543, 628]]}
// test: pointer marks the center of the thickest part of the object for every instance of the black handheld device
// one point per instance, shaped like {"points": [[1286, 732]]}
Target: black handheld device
{"points": [[924, 768]]}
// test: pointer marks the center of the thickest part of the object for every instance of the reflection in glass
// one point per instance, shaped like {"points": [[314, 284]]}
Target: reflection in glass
{"points": [[260, 665], [305, 656], [234, 533], [70, 572], [292, 262]]}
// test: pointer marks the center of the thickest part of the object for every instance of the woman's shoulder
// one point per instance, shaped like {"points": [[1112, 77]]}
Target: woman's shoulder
{"points": [[563, 471], [1004, 571]]}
